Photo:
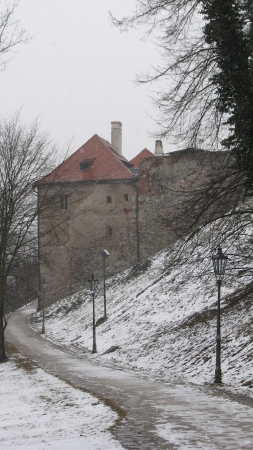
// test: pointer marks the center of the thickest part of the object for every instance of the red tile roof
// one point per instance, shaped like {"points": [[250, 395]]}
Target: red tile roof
{"points": [[95, 160], [143, 154]]}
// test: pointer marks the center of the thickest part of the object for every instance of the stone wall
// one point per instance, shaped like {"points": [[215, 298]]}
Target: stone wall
{"points": [[99, 215], [166, 186]]}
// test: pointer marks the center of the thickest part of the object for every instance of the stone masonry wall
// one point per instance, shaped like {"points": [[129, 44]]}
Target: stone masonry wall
{"points": [[165, 185], [99, 215]]}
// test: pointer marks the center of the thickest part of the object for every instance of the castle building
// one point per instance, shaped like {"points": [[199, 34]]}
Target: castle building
{"points": [[97, 199]]}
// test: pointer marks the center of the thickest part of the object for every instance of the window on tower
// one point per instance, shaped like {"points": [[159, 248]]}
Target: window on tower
{"points": [[64, 202], [108, 231]]}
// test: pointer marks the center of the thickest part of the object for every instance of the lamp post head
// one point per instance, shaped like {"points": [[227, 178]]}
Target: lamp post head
{"points": [[93, 284], [219, 264], [105, 253]]}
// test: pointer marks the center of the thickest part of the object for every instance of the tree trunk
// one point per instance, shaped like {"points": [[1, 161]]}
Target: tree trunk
{"points": [[2, 290]]}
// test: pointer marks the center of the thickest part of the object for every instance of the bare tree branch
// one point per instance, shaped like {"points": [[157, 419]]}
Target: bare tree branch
{"points": [[11, 34], [26, 155]]}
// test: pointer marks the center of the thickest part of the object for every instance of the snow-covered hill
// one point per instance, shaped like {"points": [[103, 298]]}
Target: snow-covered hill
{"points": [[162, 319]]}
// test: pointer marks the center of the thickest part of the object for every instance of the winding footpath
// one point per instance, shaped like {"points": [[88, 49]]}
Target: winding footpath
{"points": [[153, 415]]}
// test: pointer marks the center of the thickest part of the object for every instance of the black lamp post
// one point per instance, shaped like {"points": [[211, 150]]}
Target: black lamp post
{"points": [[93, 289], [219, 265], [44, 288], [105, 254]]}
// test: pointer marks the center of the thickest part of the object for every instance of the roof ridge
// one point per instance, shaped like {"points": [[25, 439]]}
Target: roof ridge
{"points": [[108, 144], [121, 158]]}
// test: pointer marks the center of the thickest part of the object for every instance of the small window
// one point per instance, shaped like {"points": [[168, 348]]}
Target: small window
{"points": [[64, 202], [126, 197], [108, 231], [108, 199], [85, 165]]}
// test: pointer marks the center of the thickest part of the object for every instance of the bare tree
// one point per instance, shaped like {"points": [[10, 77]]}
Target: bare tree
{"points": [[205, 78], [25, 156], [186, 104], [205, 101], [11, 34]]}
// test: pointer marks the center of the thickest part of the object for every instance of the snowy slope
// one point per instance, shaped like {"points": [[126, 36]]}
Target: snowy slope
{"points": [[162, 318]]}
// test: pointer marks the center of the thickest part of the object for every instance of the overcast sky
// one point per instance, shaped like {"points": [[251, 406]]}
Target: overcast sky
{"points": [[77, 73]]}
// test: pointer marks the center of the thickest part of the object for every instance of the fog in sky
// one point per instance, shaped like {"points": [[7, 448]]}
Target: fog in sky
{"points": [[77, 73]]}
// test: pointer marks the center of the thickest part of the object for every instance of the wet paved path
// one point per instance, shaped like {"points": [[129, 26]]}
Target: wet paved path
{"points": [[158, 415]]}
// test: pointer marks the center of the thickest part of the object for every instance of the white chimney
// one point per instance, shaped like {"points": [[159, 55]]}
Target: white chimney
{"points": [[159, 148], [116, 136]]}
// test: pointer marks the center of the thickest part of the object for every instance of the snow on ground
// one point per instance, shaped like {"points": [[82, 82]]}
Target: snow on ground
{"points": [[40, 412], [162, 318]]}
